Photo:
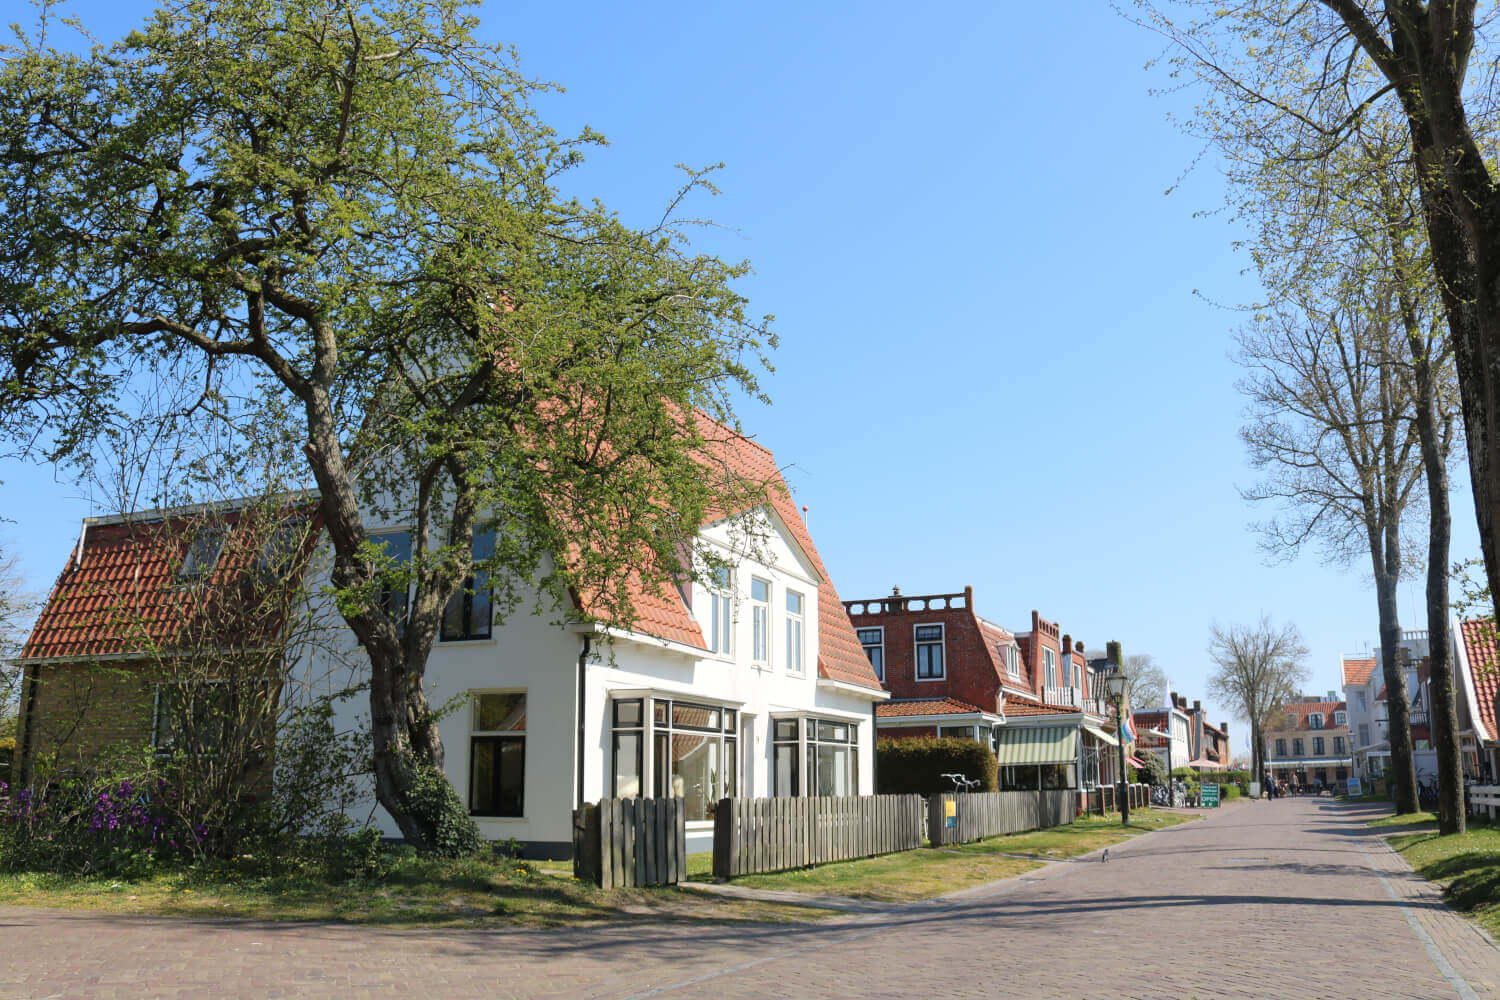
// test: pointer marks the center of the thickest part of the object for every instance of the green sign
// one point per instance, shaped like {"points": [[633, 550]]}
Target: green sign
{"points": [[1211, 795]]}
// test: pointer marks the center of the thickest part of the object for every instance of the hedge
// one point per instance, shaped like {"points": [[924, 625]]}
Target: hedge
{"points": [[917, 765]]}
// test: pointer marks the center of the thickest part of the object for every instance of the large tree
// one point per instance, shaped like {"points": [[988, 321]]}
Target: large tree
{"points": [[1259, 668], [342, 218], [1145, 684], [1295, 82], [1330, 427]]}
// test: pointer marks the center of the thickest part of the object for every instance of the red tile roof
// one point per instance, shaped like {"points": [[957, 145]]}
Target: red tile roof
{"points": [[1358, 670], [994, 636], [924, 706], [119, 592], [1299, 711], [1022, 708], [1484, 669]]}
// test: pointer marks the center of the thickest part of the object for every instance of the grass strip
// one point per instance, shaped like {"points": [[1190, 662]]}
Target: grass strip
{"points": [[1466, 865]]}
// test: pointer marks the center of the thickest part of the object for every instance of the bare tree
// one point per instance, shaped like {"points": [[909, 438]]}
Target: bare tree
{"points": [[1259, 667], [16, 609], [1330, 426], [1145, 683]]}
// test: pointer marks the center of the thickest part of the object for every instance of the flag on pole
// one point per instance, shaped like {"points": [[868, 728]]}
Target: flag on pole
{"points": [[1127, 731]]}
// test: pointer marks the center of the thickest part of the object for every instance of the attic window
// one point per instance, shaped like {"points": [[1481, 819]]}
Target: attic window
{"points": [[282, 544], [203, 553]]}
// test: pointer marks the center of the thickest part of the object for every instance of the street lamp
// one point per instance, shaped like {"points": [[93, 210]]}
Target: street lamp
{"points": [[1115, 685]]}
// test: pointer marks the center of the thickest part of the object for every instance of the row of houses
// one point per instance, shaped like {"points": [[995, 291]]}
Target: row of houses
{"points": [[759, 680], [1329, 739]]}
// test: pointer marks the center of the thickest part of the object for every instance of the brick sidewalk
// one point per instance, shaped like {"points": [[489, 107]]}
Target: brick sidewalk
{"points": [[1298, 886]]}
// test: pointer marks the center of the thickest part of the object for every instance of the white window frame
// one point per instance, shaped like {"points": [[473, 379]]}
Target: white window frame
{"points": [[796, 634], [1010, 653], [1314, 715], [1049, 666], [760, 624], [867, 646], [1340, 718], [941, 643], [721, 615]]}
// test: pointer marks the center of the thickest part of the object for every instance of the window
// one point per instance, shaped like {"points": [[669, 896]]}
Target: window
{"points": [[1297, 749], [1315, 720], [1341, 718], [203, 552], [1377, 766], [721, 612], [497, 754], [873, 640], [1010, 655], [794, 604], [957, 732], [1067, 670], [786, 748], [1049, 666], [467, 615], [1281, 748], [396, 546], [1338, 746], [628, 746], [1359, 696], [760, 616], [277, 557], [833, 754], [694, 754], [1317, 746], [1364, 734], [929, 649]]}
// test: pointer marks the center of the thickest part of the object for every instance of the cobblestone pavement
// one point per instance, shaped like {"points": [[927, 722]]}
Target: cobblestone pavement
{"points": [[1315, 903]]}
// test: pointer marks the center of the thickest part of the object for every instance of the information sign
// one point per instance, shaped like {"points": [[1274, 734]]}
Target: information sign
{"points": [[1211, 795]]}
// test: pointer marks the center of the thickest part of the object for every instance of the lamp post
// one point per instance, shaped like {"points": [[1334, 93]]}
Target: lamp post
{"points": [[1115, 685]]}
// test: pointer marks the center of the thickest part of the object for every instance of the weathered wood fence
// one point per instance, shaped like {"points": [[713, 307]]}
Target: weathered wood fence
{"points": [[1138, 795], [630, 842], [769, 835], [1484, 799], [960, 818]]}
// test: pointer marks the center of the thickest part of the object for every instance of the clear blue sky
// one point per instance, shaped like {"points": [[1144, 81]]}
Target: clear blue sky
{"points": [[994, 369]]}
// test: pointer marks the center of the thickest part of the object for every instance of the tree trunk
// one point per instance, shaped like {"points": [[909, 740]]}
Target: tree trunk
{"points": [[1403, 774]]}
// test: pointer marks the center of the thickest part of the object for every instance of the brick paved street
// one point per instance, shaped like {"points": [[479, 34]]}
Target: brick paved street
{"points": [[1316, 903]]}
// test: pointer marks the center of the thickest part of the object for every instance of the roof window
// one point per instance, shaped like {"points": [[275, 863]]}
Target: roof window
{"points": [[203, 553]]}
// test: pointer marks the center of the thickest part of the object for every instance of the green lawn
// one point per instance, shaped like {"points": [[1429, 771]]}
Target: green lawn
{"points": [[1467, 865], [473, 892], [931, 872]]}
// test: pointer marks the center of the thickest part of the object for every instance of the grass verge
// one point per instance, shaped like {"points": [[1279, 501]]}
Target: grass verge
{"points": [[1466, 865], [474, 892], [930, 872]]}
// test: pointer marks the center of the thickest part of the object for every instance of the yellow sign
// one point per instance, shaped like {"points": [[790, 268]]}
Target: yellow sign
{"points": [[950, 813]]}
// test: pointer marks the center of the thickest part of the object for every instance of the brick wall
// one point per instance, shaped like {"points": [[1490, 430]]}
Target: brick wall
{"points": [[80, 710], [970, 673]]}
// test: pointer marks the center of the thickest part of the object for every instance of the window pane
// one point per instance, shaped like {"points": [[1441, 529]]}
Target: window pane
{"points": [[719, 577], [627, 750], [695, 716], [833, 769], [695, 762], [499, 713], [870, 636], [497, 774], [786, 729], [929, 633], [794, 602], [659, 712], [628, 712], [786, 770], [761, 651], [760, 590]]}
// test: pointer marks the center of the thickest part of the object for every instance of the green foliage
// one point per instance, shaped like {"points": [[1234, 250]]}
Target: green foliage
{"points": [[448, 831], [917, 765], [1154, 769]]}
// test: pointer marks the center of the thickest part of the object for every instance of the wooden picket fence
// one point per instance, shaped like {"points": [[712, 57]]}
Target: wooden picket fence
{"points": [[626, 843], [960, 818], [770, 835], [1138, 795]]}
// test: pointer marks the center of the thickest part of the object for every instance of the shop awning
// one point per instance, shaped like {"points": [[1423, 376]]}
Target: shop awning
{"points": [[1101, 735], [1136, 761], [1037, 745]]}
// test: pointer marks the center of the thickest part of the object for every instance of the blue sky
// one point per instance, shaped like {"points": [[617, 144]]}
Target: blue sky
{"points": [[999, 364]]}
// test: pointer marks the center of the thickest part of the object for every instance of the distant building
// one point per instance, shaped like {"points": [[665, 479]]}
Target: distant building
{"points": [[1307, 742]]}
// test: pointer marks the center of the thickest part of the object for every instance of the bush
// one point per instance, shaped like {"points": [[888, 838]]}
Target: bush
{"points": [[1155, 770], [432, 801], [917, 765]]}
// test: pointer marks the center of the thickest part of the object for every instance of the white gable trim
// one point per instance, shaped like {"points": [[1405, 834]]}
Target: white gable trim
{"points": [[1461, 648]]}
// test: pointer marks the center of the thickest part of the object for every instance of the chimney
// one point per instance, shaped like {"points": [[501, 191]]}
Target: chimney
{"points": [[1174, 699], [969, 597], [1224, 727], [896, 602], [1079, 647], [1197, 706], [1067, 643], [1112, 653]]}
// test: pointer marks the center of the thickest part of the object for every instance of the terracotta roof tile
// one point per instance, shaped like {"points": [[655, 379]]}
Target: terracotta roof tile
{"points": [[1299, 711], [924, 706], [1024, 708], [1357, 670], [1484, 668]]}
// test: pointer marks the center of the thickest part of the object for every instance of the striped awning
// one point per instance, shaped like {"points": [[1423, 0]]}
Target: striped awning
{"points": [[1101, 735], [1037, 745]]}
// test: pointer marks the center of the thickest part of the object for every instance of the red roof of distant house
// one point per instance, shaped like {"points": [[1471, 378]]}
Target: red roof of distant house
{"points": [[907, 708], [1301, 710], [1484, 669], [1357, 670]]}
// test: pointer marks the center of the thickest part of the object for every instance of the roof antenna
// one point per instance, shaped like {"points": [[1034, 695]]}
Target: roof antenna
{"points": [[804, 513]]}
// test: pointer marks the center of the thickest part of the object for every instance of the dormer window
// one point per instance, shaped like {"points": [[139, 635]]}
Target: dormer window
{"points": [[203, 552], [1315, 720], [1010, 655], [1049, 666], [1341, 718]]}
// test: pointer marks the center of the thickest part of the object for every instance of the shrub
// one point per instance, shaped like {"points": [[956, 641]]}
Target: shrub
{"points": [[430, 799], [1154, 771], [917, 765]]}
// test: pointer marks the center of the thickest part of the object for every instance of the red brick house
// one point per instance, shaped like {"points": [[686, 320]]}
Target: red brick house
{"points": [[951, 672]]}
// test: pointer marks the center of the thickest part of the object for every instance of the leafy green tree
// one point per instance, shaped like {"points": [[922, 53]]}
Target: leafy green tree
{"points": [[342, 219]]}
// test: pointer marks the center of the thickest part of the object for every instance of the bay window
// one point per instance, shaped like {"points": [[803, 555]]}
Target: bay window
{"points": [[830, 748], [693, 752]]}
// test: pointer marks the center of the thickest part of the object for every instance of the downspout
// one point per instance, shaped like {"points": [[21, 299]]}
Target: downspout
{"points": [[583, 661], [874, 757]]}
